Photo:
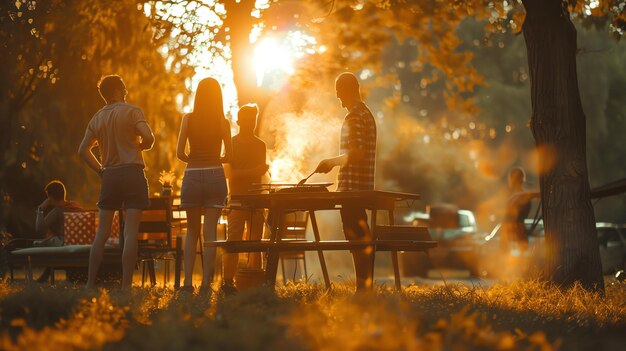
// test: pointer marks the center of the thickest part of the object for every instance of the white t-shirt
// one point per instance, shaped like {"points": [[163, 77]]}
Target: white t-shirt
{"points": [[115, 128]]}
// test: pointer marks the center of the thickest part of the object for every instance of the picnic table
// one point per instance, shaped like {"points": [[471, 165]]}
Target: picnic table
{"points": [[392, 238]]}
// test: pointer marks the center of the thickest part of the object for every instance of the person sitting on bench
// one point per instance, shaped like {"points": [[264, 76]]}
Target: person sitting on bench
{"points": [[50, 217]]}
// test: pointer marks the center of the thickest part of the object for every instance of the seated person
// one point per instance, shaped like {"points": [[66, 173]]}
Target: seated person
{"points": [[50, 218]]}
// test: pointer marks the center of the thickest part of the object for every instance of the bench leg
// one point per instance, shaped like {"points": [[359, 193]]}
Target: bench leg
{"points": [[51, 276], [306, 274], [272, 267], [152, 272], [396, 269], [282, 268], [177, 261], [143, 273], [166, 272]]}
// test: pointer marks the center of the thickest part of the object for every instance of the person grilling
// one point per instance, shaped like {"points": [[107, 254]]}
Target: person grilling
{"points": [[356, 162]]}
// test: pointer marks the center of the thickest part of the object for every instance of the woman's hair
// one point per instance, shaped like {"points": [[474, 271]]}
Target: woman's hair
{"points": [[208, 103]]}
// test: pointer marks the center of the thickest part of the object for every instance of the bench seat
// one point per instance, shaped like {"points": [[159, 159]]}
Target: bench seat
{"points": [[60, 256]]}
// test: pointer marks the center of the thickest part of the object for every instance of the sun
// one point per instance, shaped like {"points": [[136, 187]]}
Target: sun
{"points": [[272, 58], [275, 56]]}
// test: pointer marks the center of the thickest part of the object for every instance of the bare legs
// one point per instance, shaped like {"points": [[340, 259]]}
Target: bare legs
{"points": [[105, 219], [129, 255], [191, 243], [236, 221], [211, 215], [255, 259]]}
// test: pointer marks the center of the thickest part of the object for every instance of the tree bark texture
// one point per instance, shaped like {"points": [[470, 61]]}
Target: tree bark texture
{"points": [[558, 126]]}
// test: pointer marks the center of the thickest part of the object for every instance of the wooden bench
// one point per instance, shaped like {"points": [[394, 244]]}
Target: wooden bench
{"points": [[154, 243], [392, 238], [79, 231]]}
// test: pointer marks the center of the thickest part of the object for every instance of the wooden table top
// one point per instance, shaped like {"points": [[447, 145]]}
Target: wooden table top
{"points": [[370, 199]]}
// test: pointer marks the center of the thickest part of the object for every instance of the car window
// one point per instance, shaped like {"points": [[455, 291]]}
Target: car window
{"points": [[538, 231], [608, 235], [464, 220]]}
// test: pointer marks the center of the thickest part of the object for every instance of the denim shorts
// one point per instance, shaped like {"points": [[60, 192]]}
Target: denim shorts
{"points": [[123, 188], [203, 188]]}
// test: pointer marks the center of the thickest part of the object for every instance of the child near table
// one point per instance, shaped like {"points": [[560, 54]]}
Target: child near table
{"points": [[247, 168]]}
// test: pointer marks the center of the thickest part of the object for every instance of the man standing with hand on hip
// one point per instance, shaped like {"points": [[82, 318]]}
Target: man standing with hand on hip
{"points": [[357, 164], [121, 132]]}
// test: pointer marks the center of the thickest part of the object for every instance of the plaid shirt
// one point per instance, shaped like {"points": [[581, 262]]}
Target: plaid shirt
{"points": [[358, 132]]}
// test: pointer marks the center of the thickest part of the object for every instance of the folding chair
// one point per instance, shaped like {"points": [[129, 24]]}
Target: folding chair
{"points": [[294, 229]]}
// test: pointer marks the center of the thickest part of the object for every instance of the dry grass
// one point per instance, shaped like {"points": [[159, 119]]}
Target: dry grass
{"points": [[524, 315]]}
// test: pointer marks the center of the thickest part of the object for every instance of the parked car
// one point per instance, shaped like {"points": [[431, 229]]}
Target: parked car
{"points": [[455, 231], [611, 239], [494, 261]]}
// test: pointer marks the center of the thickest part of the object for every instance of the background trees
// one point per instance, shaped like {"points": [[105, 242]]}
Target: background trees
{"points": [[362, 29], [53, 55]]}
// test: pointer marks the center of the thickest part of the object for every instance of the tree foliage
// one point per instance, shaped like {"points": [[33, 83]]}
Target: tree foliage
{"points": [[53, 55]]}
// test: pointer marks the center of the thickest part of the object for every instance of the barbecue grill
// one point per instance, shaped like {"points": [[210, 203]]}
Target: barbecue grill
{"points": [[291, 188]]}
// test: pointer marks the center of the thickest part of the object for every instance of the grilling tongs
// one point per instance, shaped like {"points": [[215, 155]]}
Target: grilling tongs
{"points": [[301, 183]]}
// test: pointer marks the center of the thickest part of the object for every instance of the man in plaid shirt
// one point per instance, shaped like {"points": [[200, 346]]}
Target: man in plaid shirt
{"points": [[357, 164]]}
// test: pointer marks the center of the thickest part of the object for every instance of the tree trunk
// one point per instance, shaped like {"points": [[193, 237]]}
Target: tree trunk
{"points": [[558, 126], [239, 21]]}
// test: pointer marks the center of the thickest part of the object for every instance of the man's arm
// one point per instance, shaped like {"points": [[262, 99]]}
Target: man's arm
{"points": [[328, 164], [147, 138], [84, 150], [354, 152]]}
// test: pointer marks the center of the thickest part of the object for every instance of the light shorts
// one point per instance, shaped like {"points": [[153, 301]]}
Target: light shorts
{"points": [[205, 187]]}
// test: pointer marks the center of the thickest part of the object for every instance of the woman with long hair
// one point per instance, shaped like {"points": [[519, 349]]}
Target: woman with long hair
{"points": [[204, 184]]}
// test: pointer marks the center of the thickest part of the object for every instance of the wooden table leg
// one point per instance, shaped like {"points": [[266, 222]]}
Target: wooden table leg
{"points": [[394, 257], [370, 275], [152, 272], [396, 269], [273, 256], [320, 253]]}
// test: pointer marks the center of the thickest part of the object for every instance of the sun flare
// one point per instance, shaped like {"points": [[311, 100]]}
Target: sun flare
{"points": [[275, 56], [270, 56]]}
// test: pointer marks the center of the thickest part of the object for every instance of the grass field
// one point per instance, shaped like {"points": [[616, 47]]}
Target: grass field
{"points": [[524, 315]]}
